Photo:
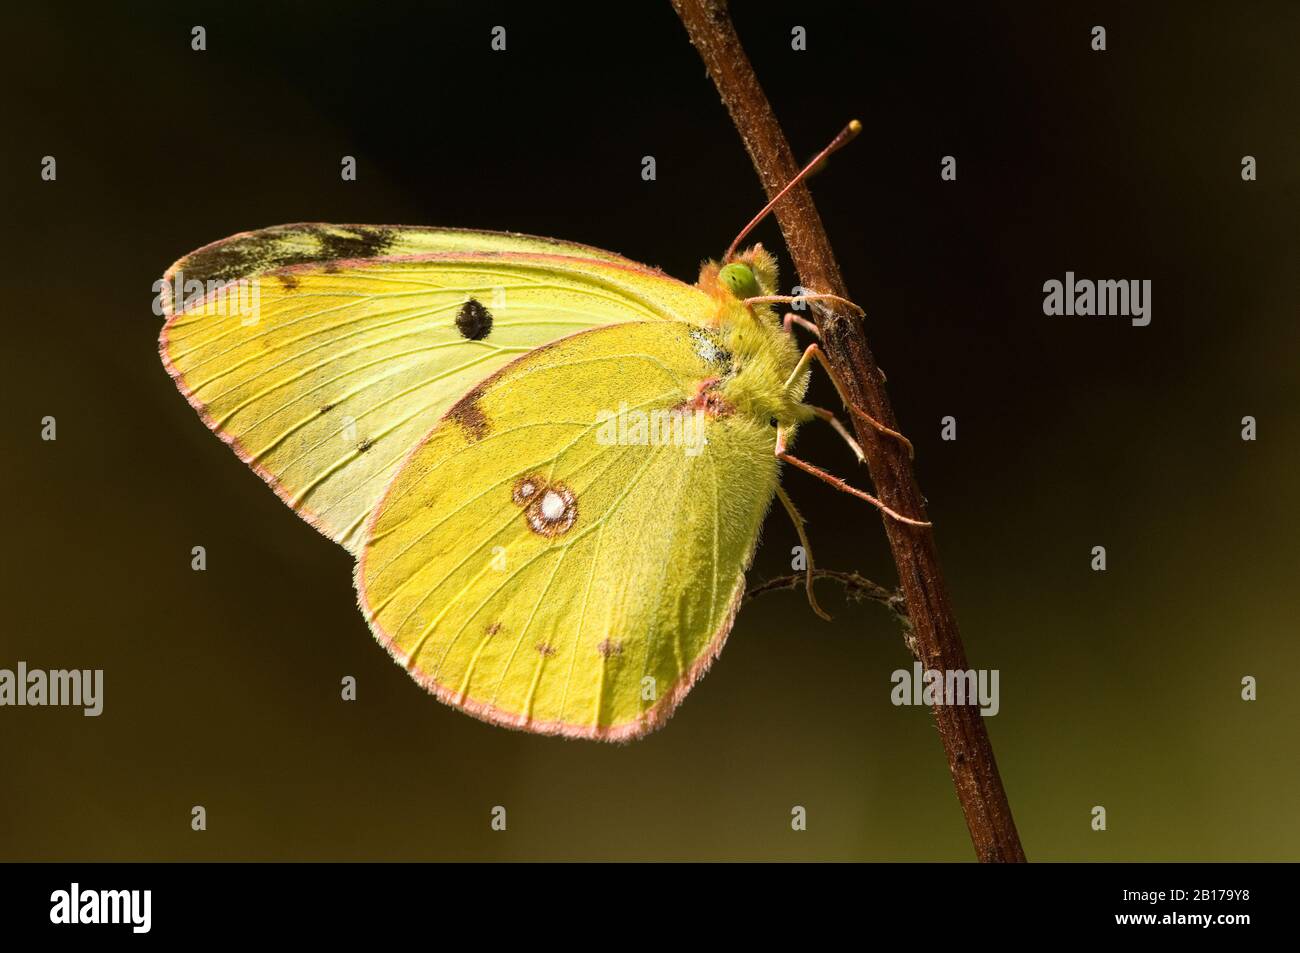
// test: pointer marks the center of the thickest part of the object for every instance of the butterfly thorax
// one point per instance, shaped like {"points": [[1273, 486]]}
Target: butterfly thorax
{"points": [[762, 355]]}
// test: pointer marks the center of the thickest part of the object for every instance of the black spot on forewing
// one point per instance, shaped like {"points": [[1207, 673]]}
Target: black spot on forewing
{"points": [[473, 320]]}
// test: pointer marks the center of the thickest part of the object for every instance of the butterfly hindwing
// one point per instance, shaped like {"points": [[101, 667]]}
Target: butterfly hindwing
{"points": [[323, 372], [548, 559]]}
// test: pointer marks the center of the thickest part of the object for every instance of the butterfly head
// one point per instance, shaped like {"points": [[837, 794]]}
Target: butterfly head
{"points": [[750, 274], [739, 280]]}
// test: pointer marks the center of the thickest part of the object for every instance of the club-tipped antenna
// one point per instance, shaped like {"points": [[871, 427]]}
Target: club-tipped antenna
{"points": [[847, 135]]}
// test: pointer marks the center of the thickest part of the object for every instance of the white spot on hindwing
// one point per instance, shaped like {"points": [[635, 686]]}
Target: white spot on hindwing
{"points": [[524, 490], [552, 505], [549, 509]]}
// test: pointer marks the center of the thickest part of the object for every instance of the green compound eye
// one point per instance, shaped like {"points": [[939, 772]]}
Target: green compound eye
{"points": [[740, 281]]}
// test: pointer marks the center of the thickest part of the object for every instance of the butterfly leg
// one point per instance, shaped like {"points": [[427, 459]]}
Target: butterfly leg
{"points": [[792, 319], [783, 454], [821, 413], [814, 353], [797, 519]]}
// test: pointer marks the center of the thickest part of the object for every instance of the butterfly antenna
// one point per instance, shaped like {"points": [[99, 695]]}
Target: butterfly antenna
{"points": [[847, 135]]}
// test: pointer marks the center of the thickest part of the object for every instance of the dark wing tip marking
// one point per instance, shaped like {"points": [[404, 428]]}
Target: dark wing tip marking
{"points": [[362, 241], [272, 249]]}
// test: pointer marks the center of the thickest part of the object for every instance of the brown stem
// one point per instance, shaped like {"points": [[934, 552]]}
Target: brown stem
{"points": [[937, 643]]}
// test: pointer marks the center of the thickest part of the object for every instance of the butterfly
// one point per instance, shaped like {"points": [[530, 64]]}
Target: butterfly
{"points": [[550, 462]]}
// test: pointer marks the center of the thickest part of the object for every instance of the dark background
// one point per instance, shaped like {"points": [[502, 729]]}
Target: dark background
{"points": [[1119, 689]]}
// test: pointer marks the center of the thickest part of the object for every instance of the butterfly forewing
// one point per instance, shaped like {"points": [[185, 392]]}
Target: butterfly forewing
{"points": [[324, 373]]}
